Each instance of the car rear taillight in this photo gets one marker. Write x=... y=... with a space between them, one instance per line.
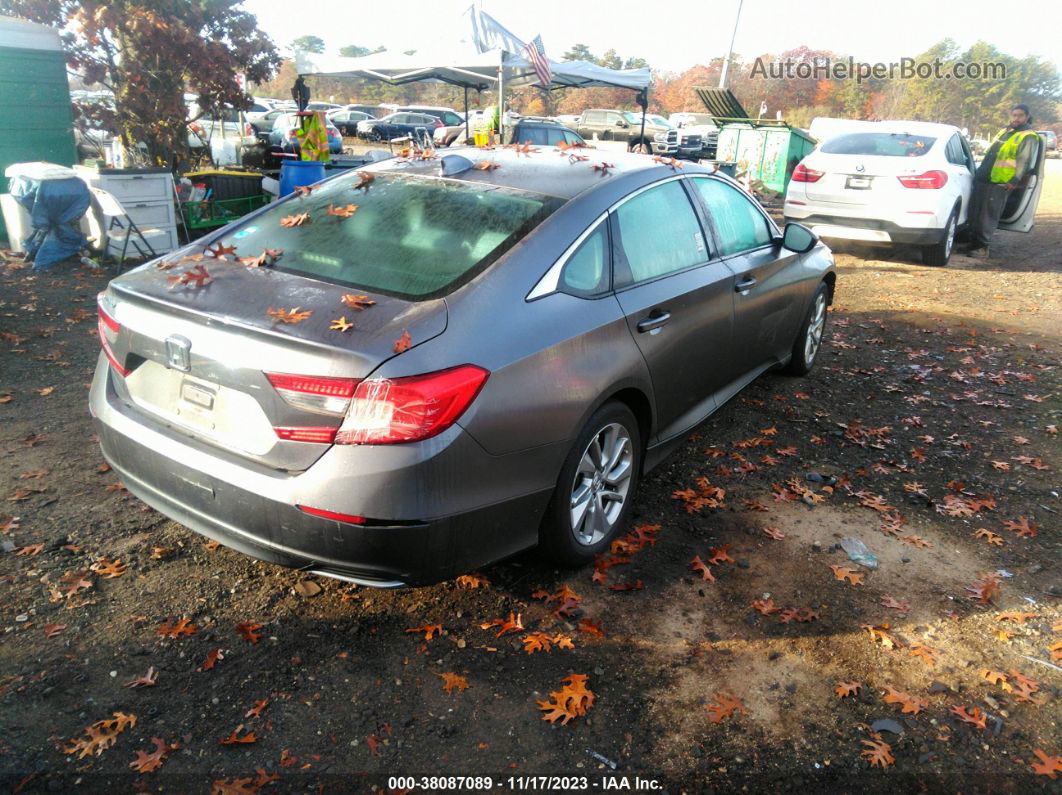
x=108 y=329
x=930 y=179
x=804 y=174
x=313 y=434
x=390 y=411
x=316 y=394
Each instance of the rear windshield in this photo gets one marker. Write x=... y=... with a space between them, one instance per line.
x=879 y=143
x=411 y=236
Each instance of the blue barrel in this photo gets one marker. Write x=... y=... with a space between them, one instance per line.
x=299 y=172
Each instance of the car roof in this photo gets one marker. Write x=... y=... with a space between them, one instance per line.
x=545 y=170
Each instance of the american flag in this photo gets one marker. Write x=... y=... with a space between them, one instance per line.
x=536 y=54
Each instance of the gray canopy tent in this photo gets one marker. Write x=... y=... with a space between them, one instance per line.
x=479 y=71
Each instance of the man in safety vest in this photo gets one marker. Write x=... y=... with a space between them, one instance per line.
x=1008 y=161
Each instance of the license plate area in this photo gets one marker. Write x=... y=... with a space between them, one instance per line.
x=196 y=402
x=858 y=183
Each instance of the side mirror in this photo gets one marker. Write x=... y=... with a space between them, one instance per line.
x=798 y=238
x=621 y=123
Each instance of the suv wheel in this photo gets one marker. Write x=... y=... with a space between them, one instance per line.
x=939 y=253
x=596 y=487
x=642 y=148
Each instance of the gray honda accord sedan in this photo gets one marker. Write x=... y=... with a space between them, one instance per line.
x=429 y=364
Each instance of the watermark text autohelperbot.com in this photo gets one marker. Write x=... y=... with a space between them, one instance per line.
x=851 y=69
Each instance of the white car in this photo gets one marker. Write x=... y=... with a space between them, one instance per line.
x=887 y=182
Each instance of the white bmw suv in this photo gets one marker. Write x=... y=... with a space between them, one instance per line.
x=887 y=182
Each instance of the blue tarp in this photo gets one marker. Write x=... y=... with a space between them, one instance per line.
x=55 y=207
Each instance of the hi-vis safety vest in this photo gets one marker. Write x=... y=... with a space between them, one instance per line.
x=1006 y=164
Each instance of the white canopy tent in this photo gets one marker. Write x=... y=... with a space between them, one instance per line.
x=480 y=71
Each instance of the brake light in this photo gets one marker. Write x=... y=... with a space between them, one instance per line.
x=930 y=179
x=317 y=394
x=390 y=411
x=108 y=329
x=804 y=174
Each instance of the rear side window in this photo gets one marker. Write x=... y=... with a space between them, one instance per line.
x=740 y=224
x=531 y=135
x=587 y=271
x=879 y=143
x=658 y=233
x=410 y=236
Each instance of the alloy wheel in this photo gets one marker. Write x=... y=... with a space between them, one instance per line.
x=816 y=326
x=601 y=484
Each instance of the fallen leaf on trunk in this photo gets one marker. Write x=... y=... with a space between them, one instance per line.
x=355 y=301
x=340 y=324
x=291 y=221
x=289 y=316
x=403 y=343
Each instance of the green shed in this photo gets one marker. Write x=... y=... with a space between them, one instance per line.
x=36 y=122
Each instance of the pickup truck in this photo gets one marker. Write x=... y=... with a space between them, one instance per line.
x=622 y=125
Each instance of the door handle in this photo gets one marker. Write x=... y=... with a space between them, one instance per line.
x=654 y=321
x=745 y=283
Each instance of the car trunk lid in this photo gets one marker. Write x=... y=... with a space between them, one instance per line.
x=198 y=357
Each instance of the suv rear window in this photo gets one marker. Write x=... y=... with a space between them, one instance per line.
x=411 y=236
x=879 y=143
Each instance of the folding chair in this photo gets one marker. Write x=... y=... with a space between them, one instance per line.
x=115 y=217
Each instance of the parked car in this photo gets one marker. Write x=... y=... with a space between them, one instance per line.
x=454 y=134
x=682 y=144
x=283 y=138
x=399 y=125
x=568 y=120
x=889 y=182
x=263 y=125
x=559 y=331
x=346 y=121
x=621 y=125
x=699 y=124
x=325 y=106
x=542 y=132
x=1050 y=140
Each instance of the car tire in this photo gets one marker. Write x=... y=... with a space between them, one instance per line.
x=571 y=538
x=938 y=254
x=808 y=341
x=641 y=148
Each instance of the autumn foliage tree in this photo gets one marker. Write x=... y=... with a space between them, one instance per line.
x=148 y=53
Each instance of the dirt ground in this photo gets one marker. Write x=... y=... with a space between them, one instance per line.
x=935 y=405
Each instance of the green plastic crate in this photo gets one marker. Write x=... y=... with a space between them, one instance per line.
x=218 y=212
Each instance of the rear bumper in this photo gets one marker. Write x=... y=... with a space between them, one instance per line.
x=252 y=509
x=870 y=230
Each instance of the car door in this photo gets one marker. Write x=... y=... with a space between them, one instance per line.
x=960 y=172
x=767 y=284
x=677 y=297
x=1020 y=210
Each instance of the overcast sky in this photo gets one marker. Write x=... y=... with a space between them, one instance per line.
x=675 y=35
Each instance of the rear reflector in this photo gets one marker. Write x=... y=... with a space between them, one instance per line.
x=930 y=179
x=317 y=394
x=108 y=329
x=804 y=174
x=313 y=434
x=410 y=409
x=339 y=517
